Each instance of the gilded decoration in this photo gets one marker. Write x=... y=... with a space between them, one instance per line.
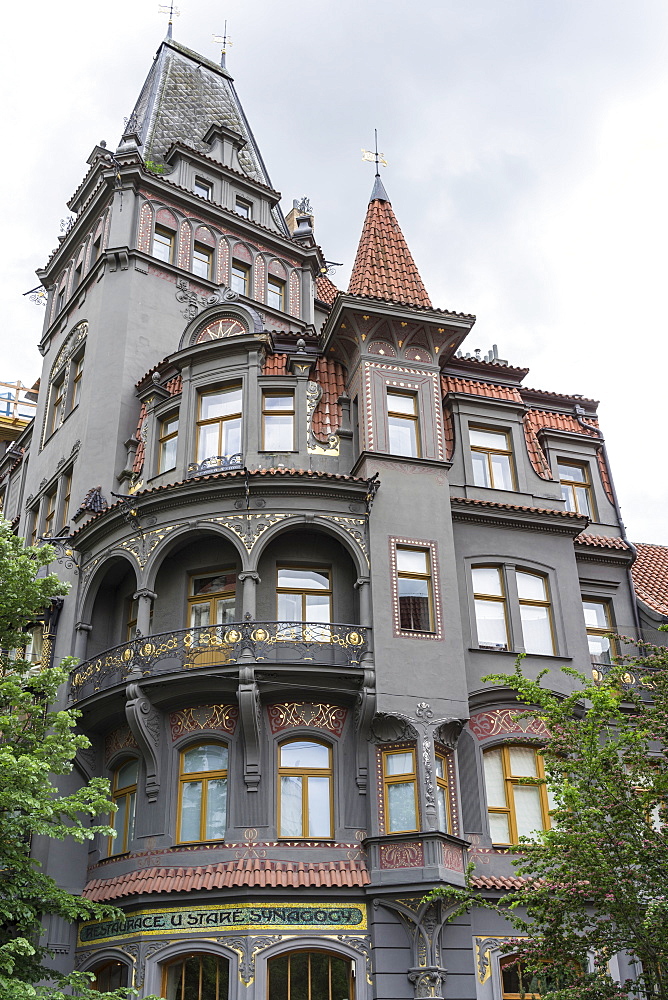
x=141 y=548
x=452 y=858
x=503 y=720
x=119 y=739
x=249 y=527
x=188 y=720
x=315 y=447
x=318 y=716
x=361 y=946
x=406 y=855
x=483 y=949
x=355 y=527
x=247 y=948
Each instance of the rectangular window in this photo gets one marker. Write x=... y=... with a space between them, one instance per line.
x=400 y=790
x=57 y=403
x=490 y=607
x=275 y=292
x=402 y=424
x=240 y=277
x=598 y=624
x=575 y=487
x=212 y=599
x=535 y=613
x=67 y=494
x=77 y=374
x=60 y=300
x=76 y=277
x=50 y=512
x=442 y=801
x=169 y=430
x=203 y=793
x=414 y=589
x=278 y=421
x=243 y=208
x=305 y=789
x=492 y=458
x=304 y=595
x=97 y=249
x=163 y=244
x=202 y=261
x=515 y=810
x=202 y=188
x=219 y=423
x=34 y=525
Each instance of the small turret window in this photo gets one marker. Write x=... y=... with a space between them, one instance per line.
x=202 y=261
x=402 y=422
x=275 y=293
x=202 y=188
x=240 y=277
x=243 y=208
x=163 y=244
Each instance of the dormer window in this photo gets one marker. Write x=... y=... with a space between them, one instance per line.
x=492 y=458
x=240 y=277
x=203 y=188
x=202 y=261
x=402 y=422
x=243 y=208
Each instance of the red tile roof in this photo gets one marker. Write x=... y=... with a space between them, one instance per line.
x=470 y=501
x=330 y=376
x=536 y=420
x=498 y=882
x=452 y=383
x=325 y=290
x=384 y=267
x=650 y=576
x=173 y=387
x=275 y=364
x=253 y=872
x=449 y=432
x=601 y=541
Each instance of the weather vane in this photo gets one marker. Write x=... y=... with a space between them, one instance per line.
x=224 y=42
x=376 y=157
x=172 y=10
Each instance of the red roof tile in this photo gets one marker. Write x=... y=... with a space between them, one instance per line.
x=275 y=364
x=601 y=541
x=330 y=376
x=251 y=872
x=384 y=267
x=449 y=431
x=498 y=882
x=470 y=501
x=452 y=383
x=325 y=290
x=650 y=576
x=536 y=420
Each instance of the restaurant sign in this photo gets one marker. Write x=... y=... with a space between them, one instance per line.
x=237 y=916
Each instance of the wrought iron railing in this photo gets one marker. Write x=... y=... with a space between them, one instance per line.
x=219 y=646
x=217 y=463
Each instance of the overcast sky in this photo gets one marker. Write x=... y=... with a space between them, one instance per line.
x=527 y=147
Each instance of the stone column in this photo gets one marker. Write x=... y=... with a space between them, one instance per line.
x=81 y=640
x=250 y=580
x=145 y=599
x=363 y=585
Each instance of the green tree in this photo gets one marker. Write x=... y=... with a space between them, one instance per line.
x=36 y=744
x=596 y=883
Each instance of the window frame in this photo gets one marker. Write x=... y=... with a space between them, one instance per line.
x=57 y=402
x=310 y=951
x=509 y=781
x=205 y=185
x=499 y=599
x=66 y=488
x=524 y=602
x=214 y=596
x=246 y=271
x=120 y=844
x=443 y=785
x=50 y=509
x=204 y=777
x=221 y=421
x=163 y=438
x=247 y=205
x=412 y=420
x=305 y=591
x=409 y=777
x=428 y=577
x=204 y=252
x=276 y=392
x=489 y=452
x=592 y=630
x=304 y=772
x=572 y=485
x=181 y=959
x=76 y=375
x=276 y=286
x=170 y=237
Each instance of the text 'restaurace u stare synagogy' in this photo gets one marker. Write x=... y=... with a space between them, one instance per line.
x=303 y=525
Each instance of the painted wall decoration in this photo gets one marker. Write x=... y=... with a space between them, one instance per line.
x=319 y=716
x=502 y=720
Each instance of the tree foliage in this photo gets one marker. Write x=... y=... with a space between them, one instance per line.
x=36 y=744
x=596 y=883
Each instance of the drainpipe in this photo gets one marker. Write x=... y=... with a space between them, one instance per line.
x=579 y=412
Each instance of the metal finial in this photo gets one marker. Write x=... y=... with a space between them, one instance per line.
x=376 y=157
x=225 y=44
x=172 y=11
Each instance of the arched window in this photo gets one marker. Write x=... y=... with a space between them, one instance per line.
x=110 y=976
x=515 y=809
x=305 y=789
x=310 y=975
x=124 y=795
x=203 y=793
x=197 y=977
x=517 y=983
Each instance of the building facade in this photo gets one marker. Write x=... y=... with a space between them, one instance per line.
x=300 y=525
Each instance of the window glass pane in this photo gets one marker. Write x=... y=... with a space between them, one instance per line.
x=278 y=977
x=168 y=455
x=531 y=587
x=302 y=753
x=488 y=439
x=118 y=823
x=127 y=775
x=220 y=404
x=536 y=629
x=214 y=584
x=278 y=432
x=200 y=615
x=317 y=608
x=225 y=610
x=442 y=810
x=209 y=757
x=403 y=436
x=487 y=580
x=303 y=579
x=132 y=801
x=440 y=766
x=174 y=981
x=414 y=605
x=401 y=403
x=207 y=442
x=412 y=561
x=202 y=189
x=398 y=763
x=239 y=280
x=202 y=263
x=232 y=436
x=480 y=469
x=501 y=473
x=290 y=607
x=582 y=495
x=575 y=473
x=279 y=402
x=599 y=648
x=291 y=805
x=162 y=246
x=319 y=978
x=494 y=783
x=595 y=614
x=319 y=823
x=498 y=828
x=340 y=978
x=216 y=808
x=401 y=806
x=528 y=814
x=567 y=495
x=191 y=810
x=523 y=762
x=491 y=623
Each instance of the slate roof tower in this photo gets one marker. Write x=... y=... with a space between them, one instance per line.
x=300 y=526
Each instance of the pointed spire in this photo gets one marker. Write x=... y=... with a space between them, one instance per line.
x=384 y=267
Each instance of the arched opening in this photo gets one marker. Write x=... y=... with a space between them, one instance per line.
x=110 y=975
x=198 y=976
x=196 y=584
x=310 y=975
x=114 y=612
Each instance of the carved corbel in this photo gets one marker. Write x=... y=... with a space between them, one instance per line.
x=145 y=724
x=423 y=924
x=248 y=696
x=365 y=709
x=448 y=733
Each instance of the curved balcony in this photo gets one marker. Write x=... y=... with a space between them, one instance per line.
x=329 y=645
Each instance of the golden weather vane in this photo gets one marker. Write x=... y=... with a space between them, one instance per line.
x=374 y=157
x=225 y=43
x=172 y=10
